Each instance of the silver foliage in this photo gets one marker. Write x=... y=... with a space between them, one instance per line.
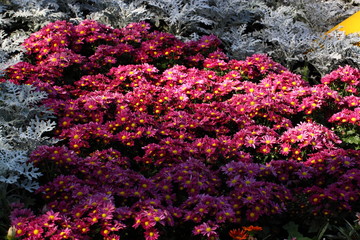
x=14 y=170
x=241 y=44
x=118 y=14
x=23 y=123
x=11 y=51
x=290 y=38
x=333 y=49
x=22 y=118
x=181 y=17
x=233 y=18
x=35 y=13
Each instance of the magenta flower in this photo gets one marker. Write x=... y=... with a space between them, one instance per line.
x=207 y=229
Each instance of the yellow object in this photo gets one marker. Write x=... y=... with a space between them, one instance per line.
x=349 y=25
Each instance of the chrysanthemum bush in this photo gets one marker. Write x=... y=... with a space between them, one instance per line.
x=164 y=139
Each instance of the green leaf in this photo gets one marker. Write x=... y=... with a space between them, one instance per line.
x=323 y=230
x=292 y=229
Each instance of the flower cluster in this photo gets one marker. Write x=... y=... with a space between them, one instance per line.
x=179 y=136
x=347 y=116
x=305 y=137
x=339 y=174
x=95 y=212
x=346 y=80
x=251 y=195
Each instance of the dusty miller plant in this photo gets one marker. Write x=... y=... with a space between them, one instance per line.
x=23 y=121
x=334 y=49
x=34 y=14
x=181 y=17
x=290 y=38
x=120 y=13
x=10 y=50
x=296 y=32
x=23 y=126
x=236 y=25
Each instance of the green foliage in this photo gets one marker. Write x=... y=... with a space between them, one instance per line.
x=349 y=134
x=324 y=229
x=292 y=229
x=349 y=232
x=344 y=230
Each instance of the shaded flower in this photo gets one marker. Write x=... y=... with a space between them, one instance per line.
x=239 y=234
